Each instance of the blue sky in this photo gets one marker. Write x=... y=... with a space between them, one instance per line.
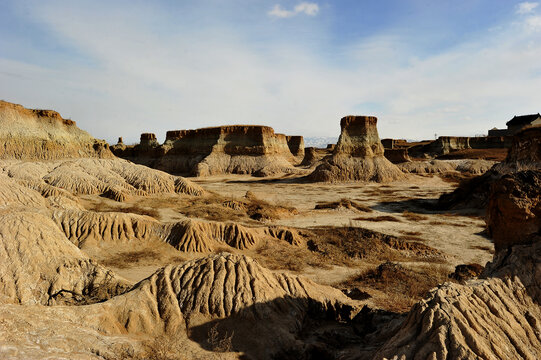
x=120 y=68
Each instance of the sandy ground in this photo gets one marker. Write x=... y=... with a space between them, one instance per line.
x=458 y=234
x=399 y=208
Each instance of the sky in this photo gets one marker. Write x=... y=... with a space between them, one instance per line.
x=423 y=67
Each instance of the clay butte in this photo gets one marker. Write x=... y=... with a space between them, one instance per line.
x=44 y=135
x=234 y=149
x=358 y=155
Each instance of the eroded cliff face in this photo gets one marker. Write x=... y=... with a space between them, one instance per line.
x=44 y=135
x=514 y=209
x=358 y=155
x=236 y=149
x=497 y=316
x=296 y=146
x=526 y=149
x=524 y=154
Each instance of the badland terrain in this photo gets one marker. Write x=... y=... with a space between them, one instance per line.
x=235 y=242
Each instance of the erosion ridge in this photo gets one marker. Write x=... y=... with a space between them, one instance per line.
x=88 y=228
x=524 y=154
x=234 y=149
x=497 y=316
x=44 y=135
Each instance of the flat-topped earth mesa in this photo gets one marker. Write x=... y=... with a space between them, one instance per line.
x=44 y=135
x=358 y=155
x=233 y=149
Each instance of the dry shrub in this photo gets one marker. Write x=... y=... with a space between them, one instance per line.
x=378 y=218
x=401 y=286
x=218 y=342
x=278 y=256
x=454 y=177
x=490 y=249
x=343 y=203
x=102 y=206
x=128 y=259
x=217 y=208
x=167 y=347
x=411 y=233
x=413 y=216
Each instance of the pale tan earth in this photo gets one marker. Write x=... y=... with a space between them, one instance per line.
x=105 y=259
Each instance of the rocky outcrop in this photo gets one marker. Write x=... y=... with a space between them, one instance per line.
x=296 y=146
x=514 y=209
x=358 y=155
x=524 y=154
x=235 y=149
x=394 y=144
x=264 y=309
x=447 y=144
x=497 y=316
x=46 y=268
x=113 y=178
x=397 y=156
x=44 y=135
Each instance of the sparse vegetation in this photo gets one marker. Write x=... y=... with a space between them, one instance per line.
x=102 y=206
x=220 y=342
x=343 y=203
x=378 y=218
x=413 y=216
x=399 y=287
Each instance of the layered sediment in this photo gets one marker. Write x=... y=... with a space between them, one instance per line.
x=44 y=135
x=358 y=155
x=235 y=149
x=497 y=316
x=524 y=154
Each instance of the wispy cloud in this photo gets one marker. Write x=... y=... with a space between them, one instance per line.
x=526 y=7
x=144 y=80
x=307 y=8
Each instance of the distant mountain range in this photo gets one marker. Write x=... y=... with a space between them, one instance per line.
x=320 y=142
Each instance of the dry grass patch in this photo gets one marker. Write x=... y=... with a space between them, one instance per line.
x=400 y=287
x=129 y=259
x=378 y=218
x=413 y=216
x=487 y=248
x=102 y=206
x=218 y=208
x=343 y=203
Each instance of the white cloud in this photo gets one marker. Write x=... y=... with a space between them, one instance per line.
x=140 y=80
x=534 y=23
x=310 y=9
x=526 y=7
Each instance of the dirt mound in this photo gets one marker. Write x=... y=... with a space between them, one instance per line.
x=469 y=166
x=358 y=155
x=397 y=156
x=296 y=146
x=45 y=268
x=526 y=148
x=114 y=178
x=230 y=293
x=235 y=149
x=524 y=154
x=514 y=209
x=223 y=284
x=14 y=194
x=497 y=316
x=494 y=318
x=44 y=135
x=88 y=228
